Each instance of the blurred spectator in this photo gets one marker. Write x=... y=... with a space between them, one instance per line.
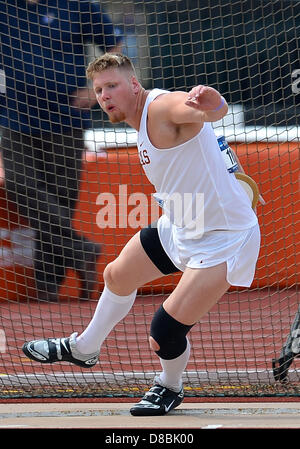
x=44 y=109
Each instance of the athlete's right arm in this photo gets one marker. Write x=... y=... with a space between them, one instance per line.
x=201 y=104
x=209 y=101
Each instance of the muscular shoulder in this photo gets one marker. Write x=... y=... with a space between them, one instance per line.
x=164 y=102
x=163 y=130
x=165 y=107
x=174 y=108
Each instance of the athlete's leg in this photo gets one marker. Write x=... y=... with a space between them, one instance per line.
x=132 y=269
x=196 y=293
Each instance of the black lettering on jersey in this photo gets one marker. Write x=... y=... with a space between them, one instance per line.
x=144 y=158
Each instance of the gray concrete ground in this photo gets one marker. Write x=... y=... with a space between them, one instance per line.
x=285 y=415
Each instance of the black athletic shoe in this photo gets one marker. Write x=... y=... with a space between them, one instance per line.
x=59 y=350
x=157 y=401
x=281 y=366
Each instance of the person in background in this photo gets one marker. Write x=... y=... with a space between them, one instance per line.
x=44 y=109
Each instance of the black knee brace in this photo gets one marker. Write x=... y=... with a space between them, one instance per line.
x=169 y=334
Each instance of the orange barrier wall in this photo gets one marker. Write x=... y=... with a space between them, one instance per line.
x=114 y=183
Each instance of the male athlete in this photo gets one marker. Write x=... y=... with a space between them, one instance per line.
x=215 y=246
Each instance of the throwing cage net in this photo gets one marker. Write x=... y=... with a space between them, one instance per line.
x=248 y=344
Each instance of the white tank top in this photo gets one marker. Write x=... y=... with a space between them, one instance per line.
x=192 y=183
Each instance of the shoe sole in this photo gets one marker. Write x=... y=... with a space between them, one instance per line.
x=145 y=411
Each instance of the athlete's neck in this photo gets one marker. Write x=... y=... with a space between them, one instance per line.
x=135 y=118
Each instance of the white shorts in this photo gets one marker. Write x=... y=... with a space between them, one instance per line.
x=239 y=249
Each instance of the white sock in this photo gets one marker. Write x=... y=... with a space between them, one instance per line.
x=111 y=309
x=171 y=376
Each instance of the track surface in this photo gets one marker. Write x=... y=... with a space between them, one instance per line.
x=243 y=332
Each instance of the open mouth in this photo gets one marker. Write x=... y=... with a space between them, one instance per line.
x=110 y=108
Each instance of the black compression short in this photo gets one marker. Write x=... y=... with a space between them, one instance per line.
x=151 y=243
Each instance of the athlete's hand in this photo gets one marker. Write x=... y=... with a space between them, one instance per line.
x=83 y=98
x=204 y=98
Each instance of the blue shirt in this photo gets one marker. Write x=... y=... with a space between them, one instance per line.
x=42 y=55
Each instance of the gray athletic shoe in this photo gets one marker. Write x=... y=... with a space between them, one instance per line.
x=54 y=350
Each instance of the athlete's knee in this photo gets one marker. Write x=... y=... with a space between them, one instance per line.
x=153 y=344
x=111 y=276
x=167 y=335
x=117 y=280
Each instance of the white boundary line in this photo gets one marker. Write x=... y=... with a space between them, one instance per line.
x=101 y=139
x=196 y=378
